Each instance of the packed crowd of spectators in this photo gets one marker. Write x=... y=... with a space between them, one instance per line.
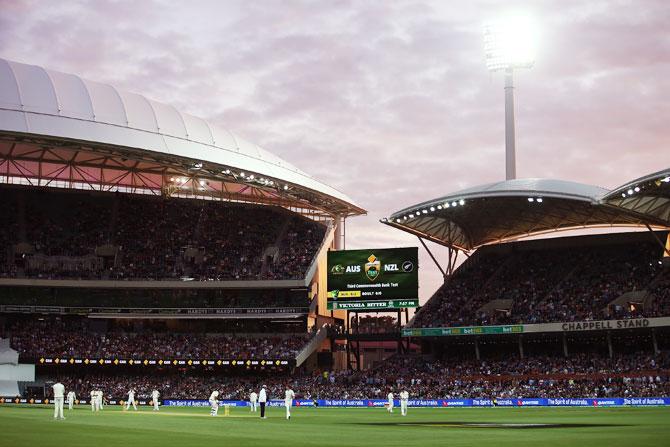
x=580 y=376
x=59 y=234
x=543 y=285
x=53 y=338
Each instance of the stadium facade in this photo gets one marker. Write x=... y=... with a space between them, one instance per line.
x=78 y=156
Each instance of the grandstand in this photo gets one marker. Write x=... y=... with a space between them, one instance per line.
x=548 y=301
x=136 y=236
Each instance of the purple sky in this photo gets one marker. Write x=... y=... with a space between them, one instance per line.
x=389 y=102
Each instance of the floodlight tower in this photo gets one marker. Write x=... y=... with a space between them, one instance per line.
x=508 y=45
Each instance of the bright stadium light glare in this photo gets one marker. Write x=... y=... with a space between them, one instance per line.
x=510 y=43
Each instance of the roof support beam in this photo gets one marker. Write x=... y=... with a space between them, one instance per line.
x=660 y=242
x=444 y=274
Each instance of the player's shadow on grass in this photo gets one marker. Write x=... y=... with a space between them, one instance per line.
x=496 y=425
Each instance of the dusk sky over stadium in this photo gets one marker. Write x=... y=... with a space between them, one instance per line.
x=389 y=102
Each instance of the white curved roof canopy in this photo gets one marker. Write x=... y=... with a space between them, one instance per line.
x=39 y=102
x=646 y=196
x=512 y=209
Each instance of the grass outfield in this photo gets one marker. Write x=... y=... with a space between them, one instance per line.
x=34 y=426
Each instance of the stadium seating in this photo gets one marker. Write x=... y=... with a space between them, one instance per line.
x=579 y=376
x=56 y=234
x=53 y=338
x=525 y=283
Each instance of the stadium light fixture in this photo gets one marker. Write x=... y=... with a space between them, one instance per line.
x=530 y=199
x=666 y=180
x=461 y=202
x=540 y=199
x=630 y=192
x=510 y=44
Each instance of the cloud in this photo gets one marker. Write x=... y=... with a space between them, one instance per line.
x=389 y=102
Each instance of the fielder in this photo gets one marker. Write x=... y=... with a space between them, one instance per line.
x=59 y=396
x=100 y=400
x=94 y=400
x=71 y=397
x=404 y=398
x=389 y=407
x=131 y=400
x=154 y=397
x=214 y=402
x=262 y=400
x=288 y=401
x=253 y=401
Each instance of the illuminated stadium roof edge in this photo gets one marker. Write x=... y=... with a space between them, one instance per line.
x=509 y=210
x=57 y=129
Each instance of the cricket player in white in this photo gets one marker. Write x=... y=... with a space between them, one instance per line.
x=390 y=405
x=131 y=400
x=253 y=401
x=100 y=400
x=262 y=400
x=214 y=402
x=154 y=397
x=404 y=398
x=94 y=400
x=288 y=401
x=59 y=397
x=70 y=400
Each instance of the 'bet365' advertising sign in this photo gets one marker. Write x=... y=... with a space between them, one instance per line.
x=373 y=279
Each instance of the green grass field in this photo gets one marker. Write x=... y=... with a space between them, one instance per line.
x=610 y=427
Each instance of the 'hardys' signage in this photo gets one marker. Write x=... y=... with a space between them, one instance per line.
x=572 y=326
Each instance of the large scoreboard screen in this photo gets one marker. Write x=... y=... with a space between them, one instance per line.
x=373 y=279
